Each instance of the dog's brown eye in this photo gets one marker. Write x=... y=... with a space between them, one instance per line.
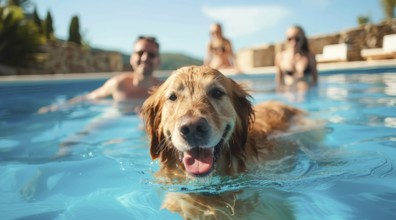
x=172 y=97
x=217 y=93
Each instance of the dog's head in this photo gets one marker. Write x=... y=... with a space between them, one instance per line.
x=195 y=116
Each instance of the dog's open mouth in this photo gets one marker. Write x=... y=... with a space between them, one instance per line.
x=200 y=161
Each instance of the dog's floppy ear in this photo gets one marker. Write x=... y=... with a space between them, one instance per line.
x=151 y=113
x=243 y=107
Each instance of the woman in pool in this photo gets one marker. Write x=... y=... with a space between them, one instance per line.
x=296 y=65
x=219 y=52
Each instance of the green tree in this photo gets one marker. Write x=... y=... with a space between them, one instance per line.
x=172 y=61
x=363 y=20
x=37 y=20
x=19 y=3
x=24 y=4
x=48 y=28
x=74 y=31
x=389 y=8
x=20 y=40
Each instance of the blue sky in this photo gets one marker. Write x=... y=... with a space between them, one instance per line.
x=183 y=26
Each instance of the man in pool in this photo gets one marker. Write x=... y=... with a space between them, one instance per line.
x=122 y=88
x=128 y=86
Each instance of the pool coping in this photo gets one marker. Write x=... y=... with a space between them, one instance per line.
x=327 y=67
x=270 y=70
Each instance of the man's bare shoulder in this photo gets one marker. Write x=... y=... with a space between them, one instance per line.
x=127 y=75
x=122 y=77
x=157 y=81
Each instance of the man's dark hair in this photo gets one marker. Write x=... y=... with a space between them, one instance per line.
x=150 y=39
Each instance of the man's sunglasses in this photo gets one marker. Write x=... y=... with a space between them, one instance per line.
x=149 y=54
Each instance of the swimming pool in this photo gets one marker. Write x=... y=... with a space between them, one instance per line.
x=109 y=174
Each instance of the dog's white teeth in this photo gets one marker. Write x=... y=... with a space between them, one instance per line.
x=180 y=156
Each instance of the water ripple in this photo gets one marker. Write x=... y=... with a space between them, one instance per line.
x=313 y=170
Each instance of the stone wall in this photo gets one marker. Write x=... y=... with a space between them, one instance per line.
x=66 y=57
x=362 y=37
x=256 y=56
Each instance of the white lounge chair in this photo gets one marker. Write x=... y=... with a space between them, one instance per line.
x=333 y=53
x=388 y=50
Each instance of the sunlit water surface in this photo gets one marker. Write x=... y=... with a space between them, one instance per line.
x=109 y=173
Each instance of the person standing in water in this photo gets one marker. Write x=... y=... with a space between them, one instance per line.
x=296 y=65
x=219 y=51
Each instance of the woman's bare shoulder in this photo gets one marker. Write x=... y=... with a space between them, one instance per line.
x=279 y=55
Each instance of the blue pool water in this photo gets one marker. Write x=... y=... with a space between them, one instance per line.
x=109 y=173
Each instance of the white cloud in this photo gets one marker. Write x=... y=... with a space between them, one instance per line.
x=246 y=20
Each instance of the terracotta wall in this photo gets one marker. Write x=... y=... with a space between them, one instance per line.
x=365 y=36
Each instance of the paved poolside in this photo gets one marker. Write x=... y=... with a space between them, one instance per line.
x=334 y=66
x=163 y=73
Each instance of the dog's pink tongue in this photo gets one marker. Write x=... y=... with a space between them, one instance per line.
x=198 y=161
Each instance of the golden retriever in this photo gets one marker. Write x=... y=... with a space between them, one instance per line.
x=201 y=122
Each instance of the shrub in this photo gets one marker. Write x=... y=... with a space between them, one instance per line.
x=20 y=39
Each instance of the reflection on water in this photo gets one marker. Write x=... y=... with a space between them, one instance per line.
x=337 y=93
x=109 y=173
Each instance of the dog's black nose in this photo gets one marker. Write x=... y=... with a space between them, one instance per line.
x=195 y=130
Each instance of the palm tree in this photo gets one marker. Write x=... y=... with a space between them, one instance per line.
x=389 y=8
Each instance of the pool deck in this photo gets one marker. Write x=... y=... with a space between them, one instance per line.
x=335 y=66
x=162 y=73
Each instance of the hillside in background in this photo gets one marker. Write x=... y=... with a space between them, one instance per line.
x=169 y=61
x=172 y=61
